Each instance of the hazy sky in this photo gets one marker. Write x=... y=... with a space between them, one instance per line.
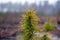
x=29 y=1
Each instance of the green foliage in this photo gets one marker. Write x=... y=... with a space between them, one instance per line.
x=48 y=26
x=45 y=37
x=29 y=29
x=1 y=14
x=29 y=24
x=2 y=17
x=58 y=12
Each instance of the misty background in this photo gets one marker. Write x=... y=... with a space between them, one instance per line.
x=44 y=7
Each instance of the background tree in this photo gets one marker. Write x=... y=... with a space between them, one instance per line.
x=58 y=13
x=48 y=26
